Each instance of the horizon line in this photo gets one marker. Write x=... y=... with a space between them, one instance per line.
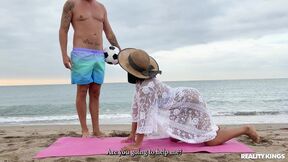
x=122 y=82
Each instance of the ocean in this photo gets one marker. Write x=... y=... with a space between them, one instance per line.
x=230 y=102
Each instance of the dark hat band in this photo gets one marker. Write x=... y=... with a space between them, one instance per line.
x=146 y=72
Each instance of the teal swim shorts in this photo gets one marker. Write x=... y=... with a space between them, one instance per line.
x=88 y=66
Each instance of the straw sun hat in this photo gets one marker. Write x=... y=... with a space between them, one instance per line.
x=138 y=63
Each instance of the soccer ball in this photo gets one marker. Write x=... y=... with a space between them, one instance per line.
x=111 y=55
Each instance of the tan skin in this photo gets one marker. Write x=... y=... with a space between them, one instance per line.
x=223 y=135
x=89 y=20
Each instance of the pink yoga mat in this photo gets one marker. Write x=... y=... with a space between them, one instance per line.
x=71 y=146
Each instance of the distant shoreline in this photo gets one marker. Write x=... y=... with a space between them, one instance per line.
x=123 y=82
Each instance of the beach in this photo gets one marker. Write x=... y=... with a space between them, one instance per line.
x=34 y=117
x=21 y=143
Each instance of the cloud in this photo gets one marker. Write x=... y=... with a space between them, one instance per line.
x=265 y=57
x=157 y=25
x=251 y=19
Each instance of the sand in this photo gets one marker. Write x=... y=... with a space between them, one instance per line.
x=21 y=143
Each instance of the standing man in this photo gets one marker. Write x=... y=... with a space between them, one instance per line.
x=87 y=65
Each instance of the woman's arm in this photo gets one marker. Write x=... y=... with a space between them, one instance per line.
x=146 y=99
x=133 y=128
x=139 y=140
x=134 y=107
x=131 y=137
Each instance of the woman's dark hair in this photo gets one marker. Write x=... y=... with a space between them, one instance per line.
x=133 y=79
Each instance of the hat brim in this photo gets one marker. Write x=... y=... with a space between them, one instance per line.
x=124 y=63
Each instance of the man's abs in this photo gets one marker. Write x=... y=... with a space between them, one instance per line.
x=87 y=41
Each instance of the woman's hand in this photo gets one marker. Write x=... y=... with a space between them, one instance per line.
x=131 y=147
x=135 y=146
x=129 y=139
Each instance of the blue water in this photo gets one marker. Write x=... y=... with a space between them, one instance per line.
x=230 y=102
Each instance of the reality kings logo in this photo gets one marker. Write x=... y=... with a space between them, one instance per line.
x=263 y=156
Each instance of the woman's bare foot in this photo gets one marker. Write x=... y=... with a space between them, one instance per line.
x=85 y=133
x=252 y=133
x=99 y=134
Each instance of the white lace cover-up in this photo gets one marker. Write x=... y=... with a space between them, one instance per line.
x=180 y=113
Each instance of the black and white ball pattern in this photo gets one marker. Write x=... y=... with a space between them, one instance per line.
x=111 y=55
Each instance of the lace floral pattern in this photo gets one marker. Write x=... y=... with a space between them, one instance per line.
x=181 y=112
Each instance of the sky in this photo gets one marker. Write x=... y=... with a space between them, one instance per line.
x=190 y=39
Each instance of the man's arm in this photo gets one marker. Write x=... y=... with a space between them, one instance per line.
x=63 y=31
x=109 y=32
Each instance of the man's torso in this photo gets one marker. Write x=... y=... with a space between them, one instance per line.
x=87 y=20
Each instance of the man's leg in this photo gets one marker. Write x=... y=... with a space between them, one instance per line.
x=94 y=93
x=81 y=108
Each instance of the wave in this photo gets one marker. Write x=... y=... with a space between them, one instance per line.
x=115 y=117
x=60 y=118
x=250 y=113
x=246 y=101
x=126 y=118
x=276 y=100
x=57 y=109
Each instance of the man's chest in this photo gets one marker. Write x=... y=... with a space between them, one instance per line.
x=84 y=13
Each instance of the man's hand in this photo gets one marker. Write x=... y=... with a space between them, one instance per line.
x=131 y=147
x=129 y=139
x=67 y=62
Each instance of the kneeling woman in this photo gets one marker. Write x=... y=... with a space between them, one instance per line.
x=179 y=113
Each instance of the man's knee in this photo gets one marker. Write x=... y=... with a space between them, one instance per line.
x=94 y=90
x=82 y=90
